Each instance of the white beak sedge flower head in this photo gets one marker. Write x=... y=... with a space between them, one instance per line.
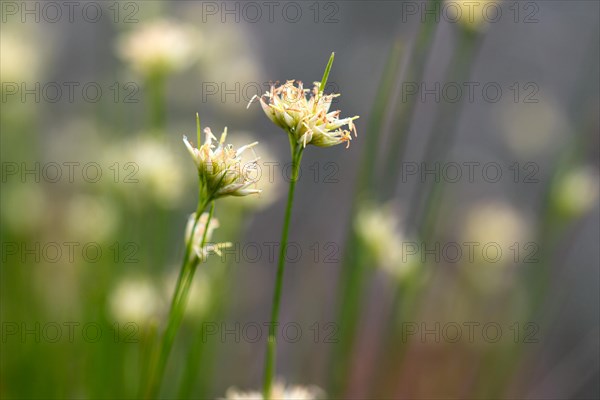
x=200 y=251
x=220 y=167
x=306 y=117
x=280 y=392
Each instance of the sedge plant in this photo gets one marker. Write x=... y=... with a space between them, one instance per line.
x=219 y=175
x=304 y=115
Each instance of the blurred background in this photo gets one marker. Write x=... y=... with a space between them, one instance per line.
x=451 y=251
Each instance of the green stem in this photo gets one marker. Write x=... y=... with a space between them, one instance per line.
x=378 y=115
x=371 y=186
x=426 y=198
x=271 y=342
x=405 y=110
x=536 y=277
x=184 y=281
x=200 y=364
x=408 y=298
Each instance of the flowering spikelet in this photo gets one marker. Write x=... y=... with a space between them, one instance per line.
x=306 y=116
x=200 y=251
x=280 y=392
x=220 y=167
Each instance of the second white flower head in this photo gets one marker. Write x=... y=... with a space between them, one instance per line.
x=220 y=167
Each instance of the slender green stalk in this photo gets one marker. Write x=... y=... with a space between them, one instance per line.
x=370 y=185
x=353 y=272
x=381 y=106
x=443 y=133
x=272 y=340
x=188 y=267
x=199 y=369
x=407 y=298
x=296 y=150
x=148 y=340
x=404 y=113
x=537 y=277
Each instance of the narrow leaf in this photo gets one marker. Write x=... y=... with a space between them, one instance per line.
x=198 y=131
x=326 y=74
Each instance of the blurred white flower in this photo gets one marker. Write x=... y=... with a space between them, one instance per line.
x=224 y=43
x=279 y=392
x=137 y=300
x=150 y=169
x=576 y=191
x=19 y=59
x=229 y=60
x=159 y=47
x=227 y=54
x=499 y=234
x=495 y=222
x=378 y=227
x=159 y=170
x=91 y=218
x=472 y=15
x=532 y=129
